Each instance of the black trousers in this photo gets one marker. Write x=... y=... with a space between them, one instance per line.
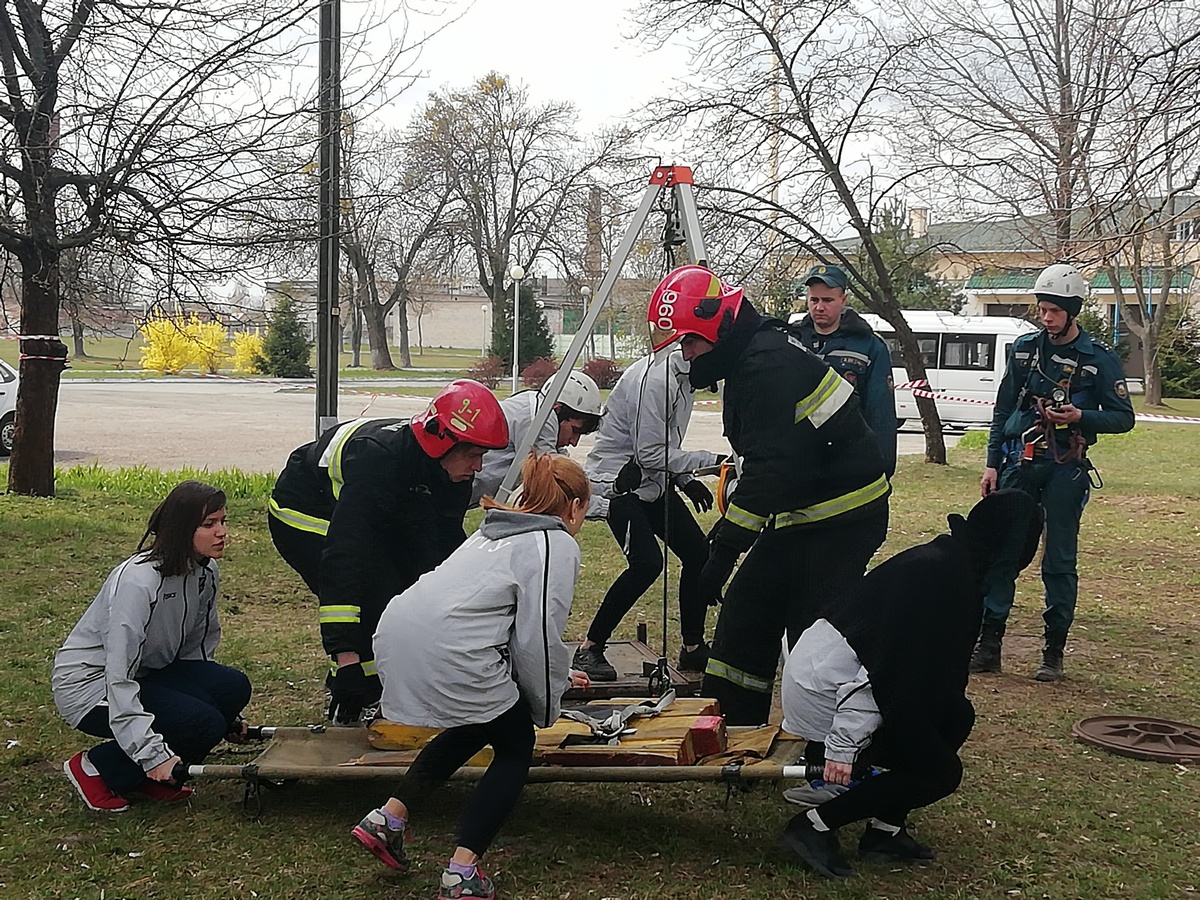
x=919 y=771
x=510 y=735
x=782 y=585
x=300 y=549
x=637 y=525
x=194 y=703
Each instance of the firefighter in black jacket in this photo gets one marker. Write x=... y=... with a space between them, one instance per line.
x=811 y=497
x=371 y=506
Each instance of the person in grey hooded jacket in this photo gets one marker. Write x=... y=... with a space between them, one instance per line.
x=638 y=467
x=475 y=647
x=138 y=667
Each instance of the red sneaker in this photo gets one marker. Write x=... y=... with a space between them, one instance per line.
x=166 y=793
x=92 y=789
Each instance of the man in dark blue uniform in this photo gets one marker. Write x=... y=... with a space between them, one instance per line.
x=1060 y=390
x=842 y=338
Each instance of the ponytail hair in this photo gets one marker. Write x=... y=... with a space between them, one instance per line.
x=550 y=484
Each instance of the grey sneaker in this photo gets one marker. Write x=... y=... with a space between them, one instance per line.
x=385 y=843
x=593 y=662
x=811 y=795
x=455 y=887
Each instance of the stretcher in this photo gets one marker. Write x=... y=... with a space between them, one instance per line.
x=639 y=753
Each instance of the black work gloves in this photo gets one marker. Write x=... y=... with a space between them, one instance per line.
x=629 y=479
x=701 y=497
x=350 y=690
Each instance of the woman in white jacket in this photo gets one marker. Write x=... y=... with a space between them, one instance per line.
x=475 y=647
x=138 y=666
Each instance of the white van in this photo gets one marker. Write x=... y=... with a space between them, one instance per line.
x=8 y=407
x=964 y=359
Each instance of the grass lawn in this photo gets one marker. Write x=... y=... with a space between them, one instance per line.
x=121 y=357
x=1038 y=815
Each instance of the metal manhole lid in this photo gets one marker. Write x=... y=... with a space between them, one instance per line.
x=1142 y=737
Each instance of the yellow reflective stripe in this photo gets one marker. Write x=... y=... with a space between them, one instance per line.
x=340 y=614
x=298 y=520
x=737 y=676
x=830 y=396
x=331 y=459
x=745 y=518
x=835 y=507
x=368 y=666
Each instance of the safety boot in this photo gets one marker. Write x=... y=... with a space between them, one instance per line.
x=986 y=657
x=1051 y=668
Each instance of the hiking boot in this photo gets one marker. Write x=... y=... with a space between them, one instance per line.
x=593 y=662
x=986 y=657
x=694 y=660
x=809 y=795
x=1051 y=668
x=455 y=887
x=387 y=844
x=163 y=792
x=817 y=849
x=878 y=844
x=95 y=793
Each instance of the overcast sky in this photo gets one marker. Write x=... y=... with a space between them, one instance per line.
x=584 y=51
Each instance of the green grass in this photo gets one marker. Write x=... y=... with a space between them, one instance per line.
x=1038 y=815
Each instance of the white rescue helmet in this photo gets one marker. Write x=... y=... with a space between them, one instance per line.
x=1061 y=280
x=580 y=394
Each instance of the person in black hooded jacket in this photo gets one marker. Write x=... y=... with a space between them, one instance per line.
x=881 y=681
x=810 y=503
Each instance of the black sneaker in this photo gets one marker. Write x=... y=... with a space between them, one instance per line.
x=817 y=849
x=878 y=844
x=593 y=662
x=694 y=660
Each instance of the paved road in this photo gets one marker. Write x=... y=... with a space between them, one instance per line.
x=249 y=426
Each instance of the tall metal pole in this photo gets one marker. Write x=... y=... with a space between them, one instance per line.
x=517 y=272
x=328 y=209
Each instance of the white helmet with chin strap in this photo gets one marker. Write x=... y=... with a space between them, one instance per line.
x=581 y=395
x=1063 y=285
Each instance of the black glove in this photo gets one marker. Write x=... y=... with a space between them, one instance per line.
x=723 y=458
x=350 y=690
x=721 y=560
x=629 y=479
x=699 y=494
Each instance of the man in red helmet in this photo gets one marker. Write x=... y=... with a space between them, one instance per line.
x=810 y=503
x=370 y=507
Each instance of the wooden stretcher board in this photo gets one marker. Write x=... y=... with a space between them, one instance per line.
x=342 y=753
x=627 y=657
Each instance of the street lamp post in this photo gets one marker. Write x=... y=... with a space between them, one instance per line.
x=517 y=273
x=483 y=347
x=586 y=293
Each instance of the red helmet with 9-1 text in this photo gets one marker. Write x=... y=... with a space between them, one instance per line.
x=464 y=411
x=690 y=300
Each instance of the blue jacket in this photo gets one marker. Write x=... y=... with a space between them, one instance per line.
x=860 y=356
x=1086 y=369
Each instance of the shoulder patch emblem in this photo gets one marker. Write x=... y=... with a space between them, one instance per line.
x=1120 y=388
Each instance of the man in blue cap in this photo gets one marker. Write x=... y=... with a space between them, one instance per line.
x=841 y=337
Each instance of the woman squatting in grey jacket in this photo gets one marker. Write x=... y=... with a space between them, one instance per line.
x=475 y=647
x=138 y=667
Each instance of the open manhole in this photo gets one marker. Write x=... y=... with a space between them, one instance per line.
x=1142 y=737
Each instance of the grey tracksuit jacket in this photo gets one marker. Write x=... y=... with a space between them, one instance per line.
x=484 y=628
x=139 y=622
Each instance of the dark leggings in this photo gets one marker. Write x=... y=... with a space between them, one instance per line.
x=637 y=524
x=511 y=738
x=194 y=703
x=918 y=773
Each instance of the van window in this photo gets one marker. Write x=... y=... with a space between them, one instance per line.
x=968 y=351
x=927 y=342
x=7 y=374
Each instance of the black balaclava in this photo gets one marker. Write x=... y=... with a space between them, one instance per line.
x=732 y=337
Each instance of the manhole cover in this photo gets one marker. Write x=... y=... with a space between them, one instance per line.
x=1141 y=737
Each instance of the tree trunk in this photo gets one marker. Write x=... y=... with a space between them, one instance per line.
x=402 y=337
x=1151 y=378
x=931 y=422
x=31 y=470
x=77 y=335
x=356 y=330
x=381 y=355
